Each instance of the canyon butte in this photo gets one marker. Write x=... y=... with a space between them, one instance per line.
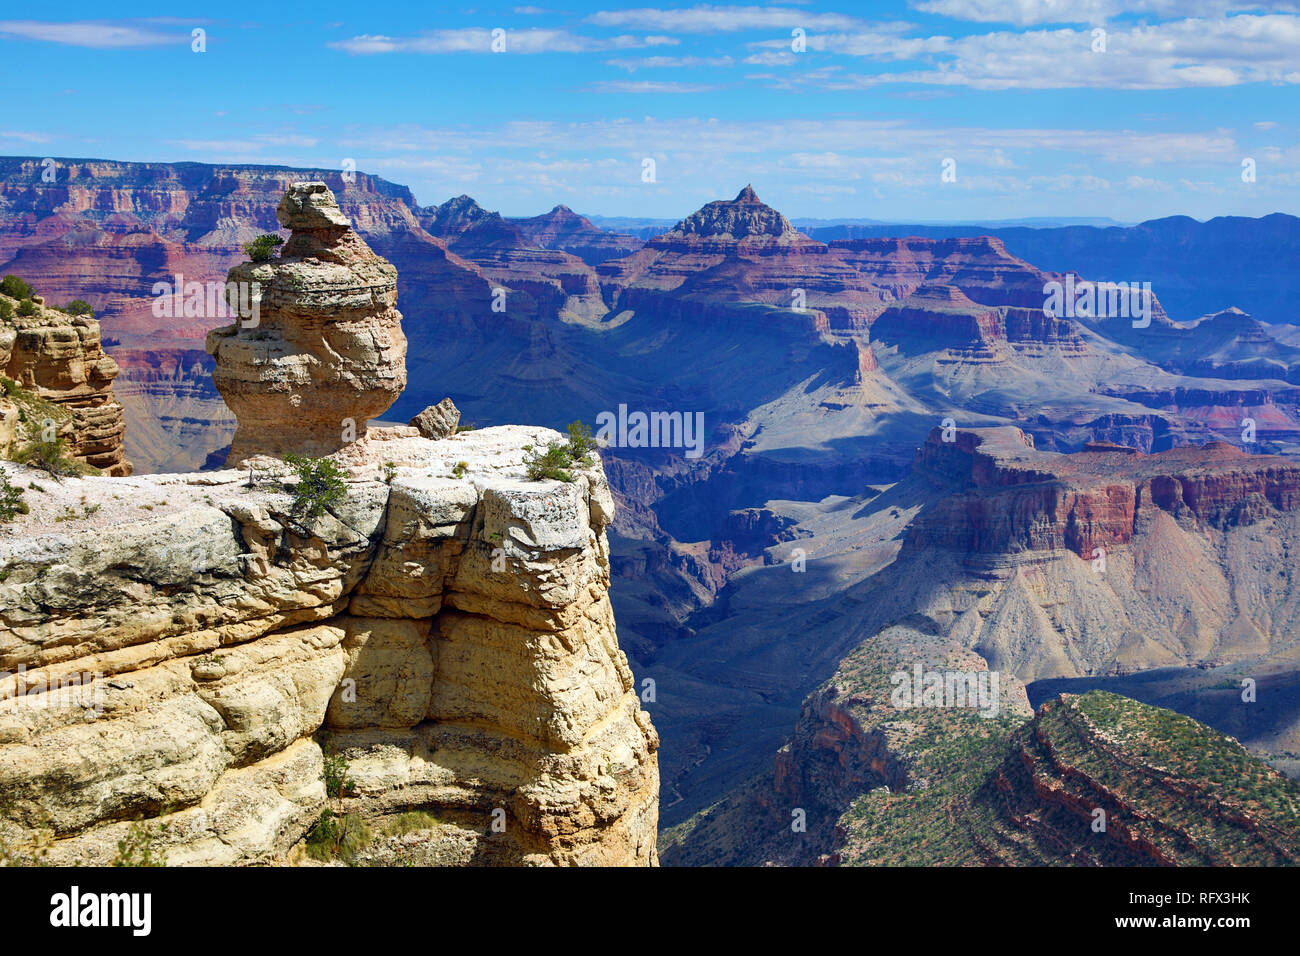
x=435 y=640
x=908 y=462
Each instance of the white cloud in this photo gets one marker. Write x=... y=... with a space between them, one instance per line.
x=1185 y=53
x=707 y=18
x=25 y=137
x=479 y=40
x=646 y=86
x=89 y=33
x=1033 y=12
x=669 y=62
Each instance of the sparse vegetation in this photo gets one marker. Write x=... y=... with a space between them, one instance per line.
x=460 y=469
x=338 y=838
x=79 y=307
x=390 y=472
x=553 y=463
x=27 y=308
x=16 y=288
x=320 y=485
x=410 y=822
x=140 y=846
x=11 y=500
x=559 y=457
x=334 y=774
x=53 y=457
x=6 y=309
x=581 y=442
x=262 y=249
x=337 y=835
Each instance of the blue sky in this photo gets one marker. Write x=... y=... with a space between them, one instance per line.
x=1041 y=114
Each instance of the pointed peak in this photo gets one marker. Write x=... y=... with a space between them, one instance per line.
x=740 y=218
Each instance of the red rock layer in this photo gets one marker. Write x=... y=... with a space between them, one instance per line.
x=1002 y=496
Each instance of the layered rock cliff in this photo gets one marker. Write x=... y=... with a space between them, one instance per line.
x=417 y=620
x=448 y=633
x=52 y=357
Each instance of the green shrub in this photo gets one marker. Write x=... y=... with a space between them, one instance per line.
x=338 y=838
x=320 y=484
x=460 y=469
x=52 y=457
x=334 y=774
x=79 y=307
x=16 y=288
x=11 y=500
x=263 y=247
x=557 y=459
x=27 y=307
x=139 y=846
x=6 y=309
x=581 y=444
x=554 y=463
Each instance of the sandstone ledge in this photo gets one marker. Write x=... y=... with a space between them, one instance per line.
x=450 y=636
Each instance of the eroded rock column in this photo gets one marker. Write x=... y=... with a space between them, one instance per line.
x=322 y=351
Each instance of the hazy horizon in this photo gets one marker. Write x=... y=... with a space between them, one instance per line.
x=921 y=111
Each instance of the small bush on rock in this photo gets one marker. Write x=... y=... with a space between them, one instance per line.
x=11 y=500
x=16 y=288
x=263 y=247
x=554 y=463
x=140 y=846
x=320 y=484
x=52 y=457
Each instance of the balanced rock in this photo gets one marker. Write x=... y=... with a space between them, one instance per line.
x=438 y=421
x=322 y=352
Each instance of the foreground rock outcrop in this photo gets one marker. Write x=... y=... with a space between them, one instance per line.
x=61 y=383
x=448 y=633
x=324 y=352
x=413 y=623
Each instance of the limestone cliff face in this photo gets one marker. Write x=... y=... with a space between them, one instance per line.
x=58 y=358
x=325 y=351
x=447 y=632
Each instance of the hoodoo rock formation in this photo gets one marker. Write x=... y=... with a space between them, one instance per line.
x=324 y=351
x=55 y=360
x=192 y=656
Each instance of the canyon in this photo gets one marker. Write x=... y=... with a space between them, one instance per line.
x=820 y=364
x=1043 y=568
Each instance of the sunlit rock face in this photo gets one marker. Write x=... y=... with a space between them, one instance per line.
x=322 y=352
